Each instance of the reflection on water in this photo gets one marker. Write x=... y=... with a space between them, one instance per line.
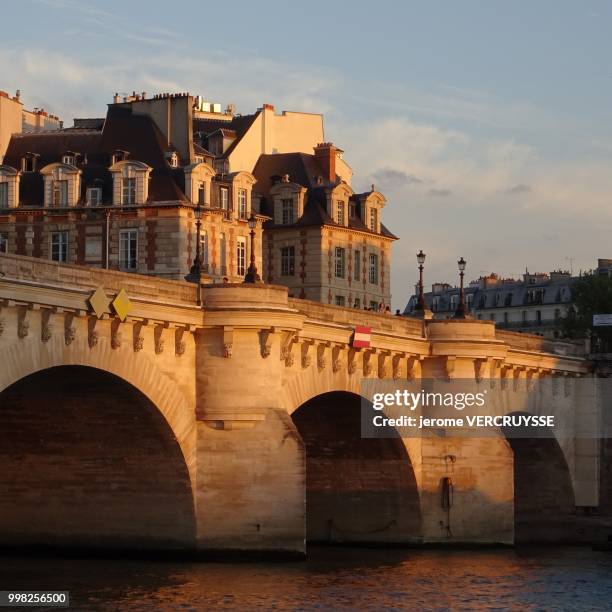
x=345 y=579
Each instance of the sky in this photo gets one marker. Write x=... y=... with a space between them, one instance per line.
x=486 y=124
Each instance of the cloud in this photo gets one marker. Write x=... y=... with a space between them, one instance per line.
x=440 y=193
x=391 y=178
x=517 y=189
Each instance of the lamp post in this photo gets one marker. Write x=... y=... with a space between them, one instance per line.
x=195 y=273
x=461 y=312
x=252 y=275
x=420 y=305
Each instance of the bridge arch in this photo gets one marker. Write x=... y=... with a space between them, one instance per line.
x=91 y=462
x=357 y=489
x=28 y=356
x=543 y=487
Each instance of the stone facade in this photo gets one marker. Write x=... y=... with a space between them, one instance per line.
x=235 y=383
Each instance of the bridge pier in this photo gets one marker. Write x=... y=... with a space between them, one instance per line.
x=251 y=479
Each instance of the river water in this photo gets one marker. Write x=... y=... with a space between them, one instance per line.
x=333 y=578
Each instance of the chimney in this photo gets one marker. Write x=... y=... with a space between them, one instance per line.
x=325 y=154
x=116 y=98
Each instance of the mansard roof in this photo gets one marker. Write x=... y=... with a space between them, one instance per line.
x=136 y=134
x=305 y=170
x=239 y=124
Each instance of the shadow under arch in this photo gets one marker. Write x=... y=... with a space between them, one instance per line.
x=90 y=462
x=543 y=490
x=357 y=489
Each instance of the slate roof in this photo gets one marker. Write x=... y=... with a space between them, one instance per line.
x=305 y=170
x=136 y=134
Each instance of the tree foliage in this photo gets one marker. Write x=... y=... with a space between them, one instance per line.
x=591 y=295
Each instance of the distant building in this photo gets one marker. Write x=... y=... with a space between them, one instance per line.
x=15 y=119
x=535 y=304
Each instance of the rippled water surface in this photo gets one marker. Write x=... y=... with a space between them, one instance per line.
x=340 y=579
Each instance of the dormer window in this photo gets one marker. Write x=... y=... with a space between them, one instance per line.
x=242 y=203
x=69 y=158
x=119 y=155
x=128 y=190
x=202 y=193
x=352 y=210
x=374 y=219
x=173 y=160
x=130 y=182
x=94 y=196
x=340 y=212
x=288 y=212
x=28 y=162
x=60 y=193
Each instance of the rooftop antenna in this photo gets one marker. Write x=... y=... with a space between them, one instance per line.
x=571 y=262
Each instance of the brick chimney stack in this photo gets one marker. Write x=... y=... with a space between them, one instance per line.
x=325 y=154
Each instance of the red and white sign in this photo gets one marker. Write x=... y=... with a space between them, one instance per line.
x=362 y=337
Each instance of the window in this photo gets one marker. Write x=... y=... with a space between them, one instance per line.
x=524 y=316
x=373 y=305
x=60 y=193
x=241 y=256
x=288 y=217
x=340 y=212
x=201 y=193
x=352 y=210
x=242 y=203
x=538 y=317
x=340 y=262
x=373 y=269
x=340 y=301
x=288 y=261
x=3 y=195
x=223 y=253
x=224 y=198
x=204 y=251
x=128 y=249
x=59 y=246
x=505 y=318
x=128 y=190
x=357 y=303
x=557 y=314
x=3 y=242
x=173 y=160
x=356 y=265
x=28 y=163
x=94 y=196
x=69 y=159
x=374 y=219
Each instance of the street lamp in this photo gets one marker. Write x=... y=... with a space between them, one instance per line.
x=252 y=276
x=461 y=312
x=421 y=305
x=195 y=273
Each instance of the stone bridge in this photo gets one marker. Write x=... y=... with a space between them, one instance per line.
x=132 y=418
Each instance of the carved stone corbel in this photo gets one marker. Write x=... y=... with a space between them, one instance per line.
x=336 y=362
x=367 y=363
x=517 y=371
x=45 y=325
x=23 y=325
x=482 y=369
x=116 y=337
x=69 y=329
x=413 y=367
x=228 y=341
x=505 y=373
x=321 y=359
x=2 y=325
x=383 y=367
x=286 y=353
x=158 y=339
x=306 y=356
x=92 y=333
x=396 y=365
x=449 y=367
x=352 y=361
x=264 y=343
x=137 y=337
x=179 y=343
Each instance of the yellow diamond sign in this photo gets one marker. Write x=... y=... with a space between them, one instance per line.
x=122 y=305
x=99 y=302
